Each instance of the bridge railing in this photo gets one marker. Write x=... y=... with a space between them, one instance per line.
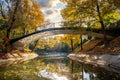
x=50 y=25
x=64 y=24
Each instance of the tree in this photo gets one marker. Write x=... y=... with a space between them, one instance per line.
x=98 y=13
x=27 y=18
x=71 y=40
x=32 y=16
x=58 y=42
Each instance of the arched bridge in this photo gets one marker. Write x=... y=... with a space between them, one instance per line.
x=19 y=42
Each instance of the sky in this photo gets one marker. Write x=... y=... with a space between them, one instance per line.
x=51 y=9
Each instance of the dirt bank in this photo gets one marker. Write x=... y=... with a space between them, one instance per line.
x=109 y=62
x=96 y=46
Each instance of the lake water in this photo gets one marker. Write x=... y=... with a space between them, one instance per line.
x=55 y=68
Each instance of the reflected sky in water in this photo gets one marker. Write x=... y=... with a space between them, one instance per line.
x=55 y=68
x=50 y=75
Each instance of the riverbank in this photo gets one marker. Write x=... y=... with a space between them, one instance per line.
x=109 y=62
x=16 y=60
x=96 y=46
x=94 y=53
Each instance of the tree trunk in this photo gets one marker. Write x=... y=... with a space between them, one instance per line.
x=102 y=26
x=81 y=42
x=25 y=31
x=35 y=45
x=72 y=48
x=13 y=19
x=7 y=38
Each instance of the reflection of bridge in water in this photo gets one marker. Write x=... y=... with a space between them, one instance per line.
x=58 y=28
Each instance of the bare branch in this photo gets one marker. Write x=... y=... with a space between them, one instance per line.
x=8 y=5
x=1 y=11
x=13 y=18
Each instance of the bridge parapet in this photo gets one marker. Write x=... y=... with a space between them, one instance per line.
x=63 y=24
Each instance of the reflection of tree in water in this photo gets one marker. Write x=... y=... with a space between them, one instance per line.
x=23 y=71
x=30 y=70
x=97 y=73
x=80 y=71
x=48 y=60
x=76 y=70
x=63 y=66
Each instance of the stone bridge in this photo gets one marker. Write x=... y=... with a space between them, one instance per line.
x=67 y=27
x=19 y=42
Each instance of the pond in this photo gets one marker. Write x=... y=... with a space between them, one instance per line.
x=55 y=68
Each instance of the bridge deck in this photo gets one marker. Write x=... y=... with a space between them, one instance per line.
x=56 y=31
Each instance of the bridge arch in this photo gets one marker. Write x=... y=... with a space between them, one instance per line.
x=19 y=42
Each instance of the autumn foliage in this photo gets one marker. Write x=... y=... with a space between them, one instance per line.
x=18 y=18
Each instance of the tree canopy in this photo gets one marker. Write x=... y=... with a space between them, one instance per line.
x=93 y=13
x=19 y=16
x=86 y=10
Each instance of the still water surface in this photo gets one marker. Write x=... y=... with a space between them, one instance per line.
x=55 y=68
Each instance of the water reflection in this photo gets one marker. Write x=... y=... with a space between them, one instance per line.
x=50 y=75
x=55 y=68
